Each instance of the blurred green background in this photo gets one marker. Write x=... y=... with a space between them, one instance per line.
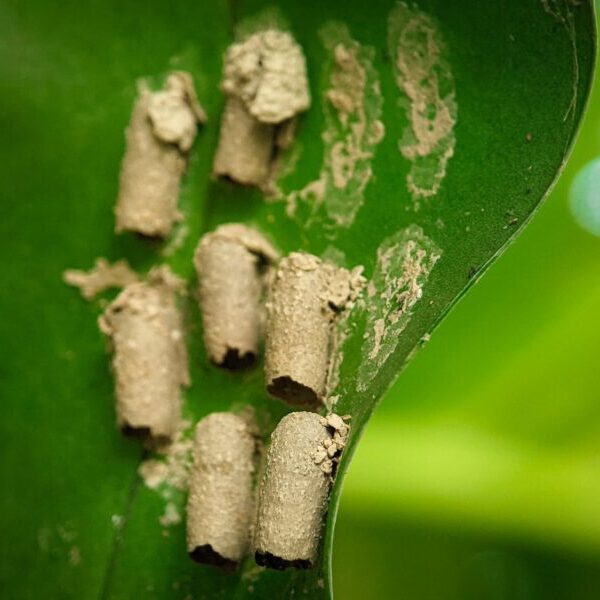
x=479 y=475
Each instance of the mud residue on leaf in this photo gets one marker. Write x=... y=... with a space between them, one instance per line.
x=60 y=541
x=177 y=240
x=424 y=77
x=341 y=330
x=333 y=255
x=342 y=327
x=167 y=472
x=352 y=105
x=101 y=277
x=171 y=516
x=404 y=262
x=338 y=337
x=172 y=463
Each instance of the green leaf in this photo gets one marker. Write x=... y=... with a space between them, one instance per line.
x=513 y=75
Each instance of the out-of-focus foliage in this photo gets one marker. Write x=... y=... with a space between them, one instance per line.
x=479 y=476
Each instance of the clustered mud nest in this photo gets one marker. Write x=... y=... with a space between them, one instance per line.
x=241 y=500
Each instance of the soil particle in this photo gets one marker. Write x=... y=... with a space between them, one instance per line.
x=305 y=300
x=221 y=503
x=232 y=265
x=328 y=454
x=294 y=491
x=161 y=132
x=117 y=521
x=171 y=515
x=154 y=473
x=144 y=326
x=101 y=277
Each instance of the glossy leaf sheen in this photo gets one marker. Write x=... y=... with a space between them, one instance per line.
x=77 y=519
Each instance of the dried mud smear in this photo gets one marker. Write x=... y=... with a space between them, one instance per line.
x=295 y=489
x=160 y=134
x=404 y=262
x=352 y=107
x=61 y=542
x=265 y=80
x=342 y=327
x=221 y=503
x=232 y=265
x=167 y=472
x=145 y=328
x=423 y=75
x=172 y=468
x=101 y=277
x=305 y=300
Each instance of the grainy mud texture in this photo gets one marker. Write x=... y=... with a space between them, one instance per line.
x=267 y=71
x=404 y=262
x=144 y=326
x=102 y=277
x=161 y=131
x=352 y=107
x=424 y=76
x=166 y=472
x=245 y=146
x=232 y=265
x=295 y=488
x=342 y=328
x=266 y=85
x=305 y=298
x=221 y=504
